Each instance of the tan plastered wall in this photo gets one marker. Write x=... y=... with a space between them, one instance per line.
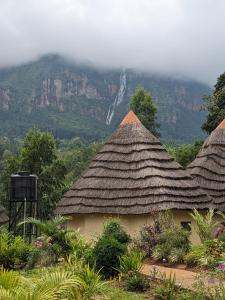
x=91 y=225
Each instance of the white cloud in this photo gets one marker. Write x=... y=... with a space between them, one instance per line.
x=179 y=37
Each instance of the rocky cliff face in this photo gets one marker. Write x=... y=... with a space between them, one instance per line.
x=74 y=100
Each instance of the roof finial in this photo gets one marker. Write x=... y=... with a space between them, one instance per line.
x=130 y=118
x=222 y=124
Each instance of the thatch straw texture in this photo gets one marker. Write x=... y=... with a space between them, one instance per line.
x=3 y=216
x=208 y=168
x=133 y=174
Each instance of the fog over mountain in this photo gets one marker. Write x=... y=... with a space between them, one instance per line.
x=178 y=37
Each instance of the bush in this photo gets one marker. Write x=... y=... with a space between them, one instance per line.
x=130 y=262
x=113 y=229
x=210 y=254
x=14 y=251
x=168 y=288
x=107 y=252
x=136 y=283
x=195 y=255
x=204 y=225
x=109 y=247
x=147 y=240
x=172 y=245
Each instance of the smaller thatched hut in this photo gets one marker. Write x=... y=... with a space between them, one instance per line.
x=3 y=216
x=130 y=177
x=208 y=168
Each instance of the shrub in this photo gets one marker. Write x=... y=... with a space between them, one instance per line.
x=113 y=229
x=172 y=244
x=106 y=253
x=130 y=262
x=168 y=288
x=136 y=283
x=148 y=234
x=210 y=254
x=204 y=225
x=195 y=255
x=109 y=247
x=14 y=251
x=91 y=283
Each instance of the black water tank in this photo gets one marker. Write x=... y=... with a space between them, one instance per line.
x=23 y=185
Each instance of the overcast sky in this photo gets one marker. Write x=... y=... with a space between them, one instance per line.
x=179 y=37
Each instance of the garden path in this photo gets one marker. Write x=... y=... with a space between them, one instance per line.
x=183 y=277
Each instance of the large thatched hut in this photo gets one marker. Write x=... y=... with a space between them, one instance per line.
x=132 y=175
x=208 y=168
x=3 y=216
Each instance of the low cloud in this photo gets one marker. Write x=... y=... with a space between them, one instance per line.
x=178 y=37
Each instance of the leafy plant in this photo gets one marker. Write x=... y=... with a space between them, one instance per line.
x=51 y=285
x=196 y=254
x=109 y=247
x=136 y=283
x=113 y=228
x=172 y=244
x=130 y=262
x=167 y=290
x=177 y=255
x=106 y=252
x=56 y=240
x=14 y=251
x=204 y=225
x=91 y=283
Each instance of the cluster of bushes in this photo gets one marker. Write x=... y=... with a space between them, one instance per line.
x=75 y=266
x=164 y=240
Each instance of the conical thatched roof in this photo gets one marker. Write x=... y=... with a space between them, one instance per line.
x=132 y=174
x=3 y=216
x=208 y=168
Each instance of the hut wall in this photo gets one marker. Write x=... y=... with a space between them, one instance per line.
x=91 y=225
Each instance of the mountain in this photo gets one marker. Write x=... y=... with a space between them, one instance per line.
x=78 y=100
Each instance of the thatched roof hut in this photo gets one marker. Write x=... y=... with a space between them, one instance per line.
x=3 y=216
x=208 y=168
x=132 y=174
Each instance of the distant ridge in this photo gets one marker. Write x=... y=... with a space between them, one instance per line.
x=77 y=100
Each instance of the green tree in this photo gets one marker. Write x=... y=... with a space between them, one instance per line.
x=184 y=154
x=38 y=155
x=143 y=106
x=215 y=104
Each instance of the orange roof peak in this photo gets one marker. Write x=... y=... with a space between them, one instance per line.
x=222 y=124
x=130 y=118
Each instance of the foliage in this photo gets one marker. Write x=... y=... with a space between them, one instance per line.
x=49 y=285
x=56 y=240
x=106 y=252
x=172 y=245
x=204 y=224
x=136 y=283
x=146 y=240
x=215 y=105
x=109 y=247
x=184 y=154
x=91 y=283
x=38 y=155
x=113 y=228
x=211 y=254
x=14 y=251
x=167 y=290
x=143 y=106
x=195 y=255
x=130 y=262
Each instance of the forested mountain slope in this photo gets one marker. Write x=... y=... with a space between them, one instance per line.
x=74 y=100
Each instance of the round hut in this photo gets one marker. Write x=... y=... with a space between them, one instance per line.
x=208 y=168
x=131 y=176
x=3 y=216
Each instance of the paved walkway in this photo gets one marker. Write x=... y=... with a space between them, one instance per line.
x=186 y=278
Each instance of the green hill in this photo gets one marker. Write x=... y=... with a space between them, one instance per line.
x=74 y=100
